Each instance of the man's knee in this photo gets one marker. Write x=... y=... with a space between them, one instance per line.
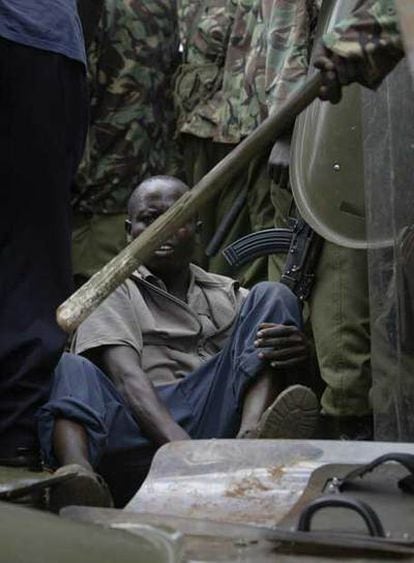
x=73 y=369
x=275 y=301
x=275 y=291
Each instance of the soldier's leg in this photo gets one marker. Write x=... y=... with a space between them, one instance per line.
x=256 y=215
x=339 y=310
x=198 y=160
x=200 y=156
x=42 y=131
x=261 y=216
x=96 y=239
x=281 y=201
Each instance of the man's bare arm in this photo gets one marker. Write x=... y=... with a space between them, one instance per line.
x=122 y=365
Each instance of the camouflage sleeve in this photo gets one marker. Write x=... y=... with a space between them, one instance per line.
x=371 y=34
x=290 y=27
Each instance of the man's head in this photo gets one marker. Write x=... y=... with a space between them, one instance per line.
x=148 y=201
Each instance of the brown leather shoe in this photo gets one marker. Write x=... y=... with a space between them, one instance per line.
x=85 y=488
x=293 y=414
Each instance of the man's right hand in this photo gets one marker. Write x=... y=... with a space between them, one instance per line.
x=336 y=72
x=282 y=346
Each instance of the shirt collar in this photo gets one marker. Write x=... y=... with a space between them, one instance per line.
x=144 y=274
x=197 y=276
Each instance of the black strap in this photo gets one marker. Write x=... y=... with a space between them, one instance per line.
x=406 y=460
x=366 y=512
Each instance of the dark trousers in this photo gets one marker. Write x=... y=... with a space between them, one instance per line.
x=43 y=121
x=207 y=403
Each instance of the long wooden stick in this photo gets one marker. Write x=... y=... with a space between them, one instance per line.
x=73 y=311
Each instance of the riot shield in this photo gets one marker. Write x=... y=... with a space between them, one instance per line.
x=388 y=142
x=327 y=173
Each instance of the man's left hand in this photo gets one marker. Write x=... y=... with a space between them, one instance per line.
x=283 y=346
x=279 y=161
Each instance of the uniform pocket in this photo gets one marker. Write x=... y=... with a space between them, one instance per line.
x=195 y=84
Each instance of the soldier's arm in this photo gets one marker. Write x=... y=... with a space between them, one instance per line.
x=363 y=48
x=123 y=365
x=279 y=160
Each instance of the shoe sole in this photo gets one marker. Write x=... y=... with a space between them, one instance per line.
x=293 y=414
x=82 y=490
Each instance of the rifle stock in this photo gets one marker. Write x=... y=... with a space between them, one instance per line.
x=301 y=245
x=255 y=245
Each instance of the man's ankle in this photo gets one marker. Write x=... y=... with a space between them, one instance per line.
x=85 y=488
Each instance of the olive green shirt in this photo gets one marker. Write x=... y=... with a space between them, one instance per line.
x=171 y=337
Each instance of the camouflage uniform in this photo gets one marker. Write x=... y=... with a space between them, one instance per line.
x=231 y=84
x=371 y=34
x=131 y=61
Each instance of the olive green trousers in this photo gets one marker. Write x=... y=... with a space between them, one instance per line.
x=96 y=239
x=200 y=156
x=339 y=313
x=338 y=307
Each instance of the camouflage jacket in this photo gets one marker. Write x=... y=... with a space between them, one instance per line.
x=266 y=46
x=132 y=122
x=267 y=59
x=205 y=27
x=371 y=33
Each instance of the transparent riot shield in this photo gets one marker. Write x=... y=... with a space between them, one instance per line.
x=388 y=143
x=327 y=174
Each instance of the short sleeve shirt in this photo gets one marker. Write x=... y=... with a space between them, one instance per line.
x=51 y=25
x=171 y=337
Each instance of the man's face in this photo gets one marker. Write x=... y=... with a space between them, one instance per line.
x=152 y=200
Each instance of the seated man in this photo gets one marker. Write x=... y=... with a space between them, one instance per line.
x=178 y=353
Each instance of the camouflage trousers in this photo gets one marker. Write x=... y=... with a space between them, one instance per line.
x=200 y=156
x=96 y=239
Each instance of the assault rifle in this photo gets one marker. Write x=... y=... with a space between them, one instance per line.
x=302 y=245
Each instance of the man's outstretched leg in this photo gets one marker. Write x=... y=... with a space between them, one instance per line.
x=230 y=392
x=85 y=420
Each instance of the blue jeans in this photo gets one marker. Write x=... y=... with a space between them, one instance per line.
x=207 y=403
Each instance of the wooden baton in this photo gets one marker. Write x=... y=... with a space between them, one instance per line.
x=85 y=300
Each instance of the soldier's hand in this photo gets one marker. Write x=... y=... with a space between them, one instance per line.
x=336 y=72
x=279 y=161
x=283 y=346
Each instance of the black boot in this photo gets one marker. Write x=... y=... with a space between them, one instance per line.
x=346 y=427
